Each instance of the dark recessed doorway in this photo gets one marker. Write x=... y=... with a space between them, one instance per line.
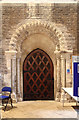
x=38 y=76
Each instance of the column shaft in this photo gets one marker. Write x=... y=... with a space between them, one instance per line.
x=55 y=79
x=7 y=77
x=14 y=75
x=63 y=76
x=63 y=72
x=58 y=95
x=58 y=75
x=18 y=75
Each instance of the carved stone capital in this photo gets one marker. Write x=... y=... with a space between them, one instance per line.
x=11 y=54
x=19 y=55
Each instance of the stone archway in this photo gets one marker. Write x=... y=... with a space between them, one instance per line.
x=63 y=45
x=63 y=39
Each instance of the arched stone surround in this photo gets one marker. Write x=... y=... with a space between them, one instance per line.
x=53 y=38
x=62 y=36
x=34 y=41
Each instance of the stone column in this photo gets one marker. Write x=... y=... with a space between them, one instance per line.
x=55 y=78
x=63 y=74
x=18 y=80
x=11 y=72
x=13 y=82
x=18 y=75
x=7 y=77
x=58 y=94
x=63 y=71
x=69 y=80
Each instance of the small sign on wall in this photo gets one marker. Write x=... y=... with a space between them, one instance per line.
x=68 y=71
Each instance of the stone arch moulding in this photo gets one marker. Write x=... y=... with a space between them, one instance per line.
x=57 y=33
x=63 y=41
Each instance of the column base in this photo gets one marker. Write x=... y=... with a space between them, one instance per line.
x=58 y=97
x=19 y=98
x=63 y=95
x=14 y=98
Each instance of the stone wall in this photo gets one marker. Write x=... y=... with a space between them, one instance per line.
x=13 y=14
x=64 y=19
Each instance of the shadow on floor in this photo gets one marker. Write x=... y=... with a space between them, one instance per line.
x=8 y=108
x=76 y=108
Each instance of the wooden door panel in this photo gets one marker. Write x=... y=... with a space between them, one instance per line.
x=38 y=76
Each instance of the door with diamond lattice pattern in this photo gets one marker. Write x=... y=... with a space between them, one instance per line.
x=38 y=76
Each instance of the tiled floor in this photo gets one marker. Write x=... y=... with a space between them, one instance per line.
x=40 y=109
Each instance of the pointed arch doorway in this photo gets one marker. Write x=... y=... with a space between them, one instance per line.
x=38 y=76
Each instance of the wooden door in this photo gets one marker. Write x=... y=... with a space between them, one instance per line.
x=38 y=76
